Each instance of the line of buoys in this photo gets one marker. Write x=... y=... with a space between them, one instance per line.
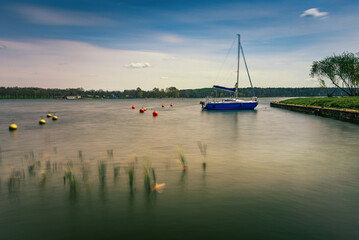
x=13 y=127
x=154 y=113
x=42 y=121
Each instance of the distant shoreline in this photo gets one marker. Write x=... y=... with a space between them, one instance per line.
x=171 y=92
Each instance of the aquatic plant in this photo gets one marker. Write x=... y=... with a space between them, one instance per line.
x=70 y=178
x=116 y=172
x=48 y=165
x=110 y=154
x=203 y=148
x=148 y=172
x=101 y=171
x=156 y=186
x=182 y=159
x=80 y=155
x=150 y=180
x=131 y=175
x=14 y=180
x=31 y=169
x=43 y=177
x=84 y=171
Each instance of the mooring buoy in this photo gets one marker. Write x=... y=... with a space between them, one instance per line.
x=12 y=127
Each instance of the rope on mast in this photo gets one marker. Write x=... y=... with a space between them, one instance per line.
x=245 y=63
x=239 y=54
x=225 y=59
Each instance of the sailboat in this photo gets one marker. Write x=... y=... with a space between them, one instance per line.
x=233 y=103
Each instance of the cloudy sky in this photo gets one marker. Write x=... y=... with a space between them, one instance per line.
x=124 y=44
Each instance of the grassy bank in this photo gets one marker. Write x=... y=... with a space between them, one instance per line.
x=333 y=102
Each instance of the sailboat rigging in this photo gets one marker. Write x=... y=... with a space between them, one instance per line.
x=233 y=103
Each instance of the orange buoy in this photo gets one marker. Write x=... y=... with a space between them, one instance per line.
x=171 y=105
x=145 y=109
x=142 y=110
x=155 y=113
x=163 y=105
x=133 y=107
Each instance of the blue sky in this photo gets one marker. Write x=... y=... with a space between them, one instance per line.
x=116 y=45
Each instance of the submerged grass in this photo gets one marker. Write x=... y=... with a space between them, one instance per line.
x=182 y=159
x=70 y=177
x=14 y=180
x=101 y=171
x=116 y=172
x=131 y=175
x=328 y=102
x=203 y=148
x=148 y=182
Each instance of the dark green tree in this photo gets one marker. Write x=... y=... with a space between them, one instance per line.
x=342 y=71
x=172 y=92
x=139 y=93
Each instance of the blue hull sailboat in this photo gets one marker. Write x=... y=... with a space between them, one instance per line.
x=233 y=103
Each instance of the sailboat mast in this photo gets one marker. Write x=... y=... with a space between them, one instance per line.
x=239 y=53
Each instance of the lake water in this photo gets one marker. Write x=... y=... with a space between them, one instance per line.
x=270 y=173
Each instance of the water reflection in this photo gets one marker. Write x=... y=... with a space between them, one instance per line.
x=258 y=165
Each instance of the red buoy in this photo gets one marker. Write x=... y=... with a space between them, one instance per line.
x=133 y=107
x=171 y=105
x=163 y=105
x=155 y=113
x=142 y=110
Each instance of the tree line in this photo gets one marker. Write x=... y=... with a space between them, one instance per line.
x=171 y=92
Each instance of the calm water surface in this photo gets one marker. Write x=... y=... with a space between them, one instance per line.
x=271 y=173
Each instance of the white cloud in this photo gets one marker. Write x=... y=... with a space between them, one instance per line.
x=52 y=16
x=138 y=65
x=314 y=12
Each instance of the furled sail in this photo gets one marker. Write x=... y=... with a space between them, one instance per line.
x=225 y=88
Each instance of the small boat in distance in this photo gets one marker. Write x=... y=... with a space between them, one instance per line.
x=233 y=103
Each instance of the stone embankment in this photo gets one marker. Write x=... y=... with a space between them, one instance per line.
x=341 y=114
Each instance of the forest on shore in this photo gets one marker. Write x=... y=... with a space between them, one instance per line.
x=171 y=92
